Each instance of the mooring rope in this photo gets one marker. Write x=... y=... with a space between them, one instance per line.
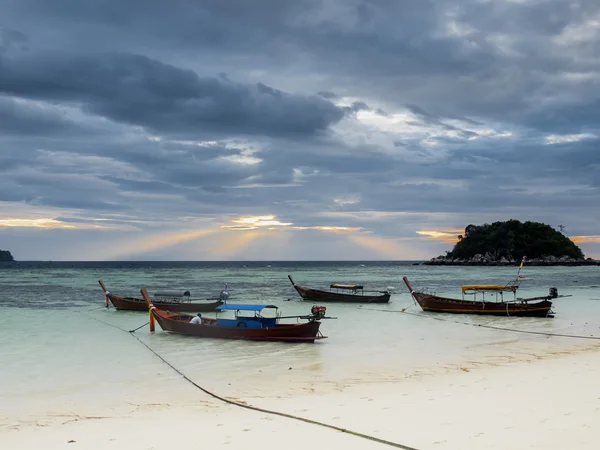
x=515 y=330
x=250 y=407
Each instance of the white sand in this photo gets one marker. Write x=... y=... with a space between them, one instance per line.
x=541 y=404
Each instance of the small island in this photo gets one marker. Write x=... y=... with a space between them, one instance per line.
x=505 y=243
x=6 y=256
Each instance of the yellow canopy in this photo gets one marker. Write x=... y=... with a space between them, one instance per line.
x=487 y=287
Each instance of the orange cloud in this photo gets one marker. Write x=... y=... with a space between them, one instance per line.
x=448 y=236
x=585 y=239
x=35 y=223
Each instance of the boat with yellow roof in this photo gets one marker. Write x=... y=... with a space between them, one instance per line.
x=496 y=304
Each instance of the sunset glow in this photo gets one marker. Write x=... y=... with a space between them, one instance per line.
x=254 y=222
x=35 y=223
x=585 y=239
x=272 y=224
x=448 y=236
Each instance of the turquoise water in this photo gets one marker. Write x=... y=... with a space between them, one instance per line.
x=63 y=354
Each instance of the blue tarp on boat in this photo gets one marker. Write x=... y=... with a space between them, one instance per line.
x=242 y=307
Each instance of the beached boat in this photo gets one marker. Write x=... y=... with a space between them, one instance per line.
x=495 y=305
x=177 y=301
x=254 y=326
x=354 y=293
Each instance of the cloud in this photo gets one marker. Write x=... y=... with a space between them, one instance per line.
x=447 y=236
x=373 y=120
x=561 y=139
x=35 y=223
x=138 y=90
x=585 y=239
x=271 y=223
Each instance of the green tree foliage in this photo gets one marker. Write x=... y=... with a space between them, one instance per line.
x=6 y=256
x=513 y=239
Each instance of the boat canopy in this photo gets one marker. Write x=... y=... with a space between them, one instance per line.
x=243 y=307
x=346 y=286
x=172 y=293
x=488 y=287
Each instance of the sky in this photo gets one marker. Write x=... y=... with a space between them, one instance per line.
x=293 y=130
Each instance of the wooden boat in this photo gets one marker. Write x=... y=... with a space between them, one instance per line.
x=355 y=295
x=532 y=307
x=169 y=300
x=255 y=327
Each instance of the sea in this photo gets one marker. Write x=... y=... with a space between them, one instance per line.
x=64 y=354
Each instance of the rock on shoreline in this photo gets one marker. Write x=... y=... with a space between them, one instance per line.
x=489 y=260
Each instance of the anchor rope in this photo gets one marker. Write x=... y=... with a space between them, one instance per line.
x=485 y=325
x=250 y=407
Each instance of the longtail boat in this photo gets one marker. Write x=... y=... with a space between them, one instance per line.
x=178 y=301
x=355 y=294
x=531 y=307
x=254 y=327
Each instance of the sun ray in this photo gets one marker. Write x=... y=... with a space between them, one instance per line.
x=230 y=244
x=387 y=247
x=158 y=241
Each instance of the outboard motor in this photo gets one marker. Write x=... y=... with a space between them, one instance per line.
x=553 y=292
x=318 y=312
x=223 y=295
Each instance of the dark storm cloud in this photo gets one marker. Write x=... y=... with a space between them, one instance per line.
x=138 y=90
x=461 y=58
x=11 y=39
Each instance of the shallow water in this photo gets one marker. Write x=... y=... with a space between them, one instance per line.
x=63 y=354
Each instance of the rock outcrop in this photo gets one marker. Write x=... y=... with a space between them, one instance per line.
x=489 y=260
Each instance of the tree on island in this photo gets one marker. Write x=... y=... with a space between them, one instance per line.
x=512 y=240
x=6 y=256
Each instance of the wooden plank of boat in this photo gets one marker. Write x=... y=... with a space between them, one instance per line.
x=317 y=295
x=255 y=328
x=121 y=302
x=540 y=307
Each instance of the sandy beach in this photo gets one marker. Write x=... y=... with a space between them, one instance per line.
x=543 y=403
x=73 y=377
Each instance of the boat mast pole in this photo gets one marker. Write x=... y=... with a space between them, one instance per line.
x=521 y=266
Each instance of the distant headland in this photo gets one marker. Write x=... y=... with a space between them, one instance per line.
x=506 y=243
x=6 y=256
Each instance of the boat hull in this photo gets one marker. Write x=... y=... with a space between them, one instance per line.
x=435 y=303
x=179 y=323
x=317 y=295
x=139 y=304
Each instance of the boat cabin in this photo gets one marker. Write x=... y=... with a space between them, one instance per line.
x=253 y=317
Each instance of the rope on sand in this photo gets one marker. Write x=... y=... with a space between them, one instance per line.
x=255 y=408
x=485 y=325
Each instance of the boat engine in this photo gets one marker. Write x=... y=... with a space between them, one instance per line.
x=553 y=292
x=224 y=295
x=318 y=312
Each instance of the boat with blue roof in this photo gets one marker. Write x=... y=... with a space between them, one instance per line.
x=256 y=322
